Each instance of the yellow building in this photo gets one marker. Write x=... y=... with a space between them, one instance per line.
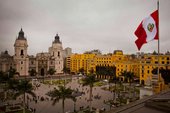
x=148 y=62
x=67 y=61
x=81 y=61
x=89 y=62
x=141 y=65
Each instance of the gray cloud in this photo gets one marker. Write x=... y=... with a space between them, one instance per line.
x=82 y=24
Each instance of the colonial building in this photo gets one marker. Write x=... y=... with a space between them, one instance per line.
x=41 y=63
x=6 y=61
x=141 y=65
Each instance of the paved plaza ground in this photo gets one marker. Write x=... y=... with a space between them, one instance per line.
x=45 y=105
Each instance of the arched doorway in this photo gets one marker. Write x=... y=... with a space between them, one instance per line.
x=42 y=71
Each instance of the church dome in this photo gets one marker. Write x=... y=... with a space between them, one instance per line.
x=57 y=39
x=21 y=35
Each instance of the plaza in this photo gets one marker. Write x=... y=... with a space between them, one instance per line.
x=102 y=98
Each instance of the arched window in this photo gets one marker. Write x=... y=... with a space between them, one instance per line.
x=22 y=52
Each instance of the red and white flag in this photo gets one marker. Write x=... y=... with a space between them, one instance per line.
x=147 y=30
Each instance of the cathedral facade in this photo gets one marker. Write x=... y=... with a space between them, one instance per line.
x=41 y=63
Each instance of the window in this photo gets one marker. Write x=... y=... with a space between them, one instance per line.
x=58 y=54
x=148 y=62
x=22 y=52
x=149 y=57
x=142 y=71
x=21 y=62
x=32 y=62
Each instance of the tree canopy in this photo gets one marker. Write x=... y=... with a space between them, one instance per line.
x=61 y=93
x=51 y=71
x=106 y=70
x=165 y=73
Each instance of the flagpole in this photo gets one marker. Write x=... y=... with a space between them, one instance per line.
x=158 y=42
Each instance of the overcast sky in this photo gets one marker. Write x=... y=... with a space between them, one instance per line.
x=82 y=25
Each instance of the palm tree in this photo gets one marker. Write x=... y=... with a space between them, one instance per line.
x=51 y=71
x=61 y=93
x=22 y=87
x=89 y=81
x=74 y=99
x=129 y=76
x=65 y=70
x=6 y=77
x=114 y=80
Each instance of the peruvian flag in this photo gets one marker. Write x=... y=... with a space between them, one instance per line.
x=147 y=30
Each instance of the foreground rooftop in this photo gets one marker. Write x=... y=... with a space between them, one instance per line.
x=159 y=103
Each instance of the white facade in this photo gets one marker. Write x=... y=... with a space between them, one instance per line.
x=23 y=63
x=56 y=51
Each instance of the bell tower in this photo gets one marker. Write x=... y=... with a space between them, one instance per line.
x=56 y=52
x=21 y=58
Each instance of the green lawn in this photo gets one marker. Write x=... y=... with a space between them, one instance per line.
x=27 y=111
x=57 y=82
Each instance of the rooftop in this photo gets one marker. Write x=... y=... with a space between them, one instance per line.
x=153 y=104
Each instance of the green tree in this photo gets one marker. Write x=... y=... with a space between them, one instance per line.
x=81 y=70
x=6 y=77
x=106 y=71
x=22 y=87
x=32 y=72
x=11 y=73
x=66 y=70
x=3 y=82
x=61 y=93
x=89 y=81
x=128 y=76
x=51 y=71
x=3 y=77
x=164 y=73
